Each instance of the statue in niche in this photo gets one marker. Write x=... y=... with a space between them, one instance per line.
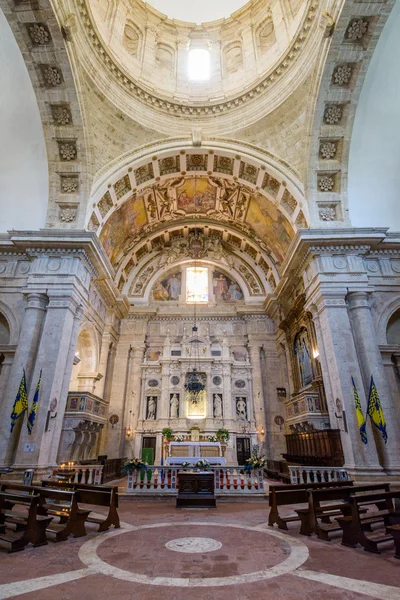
x=151 y=408
x=174 y=406
x=217 y=406
x=241 y=408
x=303 y=355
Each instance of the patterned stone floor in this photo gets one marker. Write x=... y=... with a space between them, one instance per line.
x=228 y=553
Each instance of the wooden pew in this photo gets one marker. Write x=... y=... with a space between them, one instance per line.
x=356 y=526
x=338 y=505
x=294 y=493
x=56 y=503
x=394 y=530
x=97 y=495
x=29 y=525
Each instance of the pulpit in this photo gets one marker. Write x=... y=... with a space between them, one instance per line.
x=195 y=489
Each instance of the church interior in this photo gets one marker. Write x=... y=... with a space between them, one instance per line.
x=199 y=299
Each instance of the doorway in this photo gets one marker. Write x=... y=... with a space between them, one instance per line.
x=242 y=450
x=149 y=449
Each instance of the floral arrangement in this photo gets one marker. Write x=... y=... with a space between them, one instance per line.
x=136 y=464
x=255 y=462
x=179 y=438
x=167 y=433
x=202 y=464
x=212 y=438
x=222 y=435
x=186 y=464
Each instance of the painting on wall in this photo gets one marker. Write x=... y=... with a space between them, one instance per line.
x=226 y=289
x=196 y=195
x=269 y=223
x=153 y=355
x=168 y=288
x=122 y=226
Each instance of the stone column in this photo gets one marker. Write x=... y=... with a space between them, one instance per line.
x=55 y=358
x=133 y=395
x=7 y=356
x=339 y=363
x=258 y=392
x=270 y=371
x=227 y=397
x=31 y=330
x=370 y=358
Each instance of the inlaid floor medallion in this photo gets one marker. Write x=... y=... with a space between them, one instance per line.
x=193 y=544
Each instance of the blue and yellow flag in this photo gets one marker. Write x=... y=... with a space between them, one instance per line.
x=360 y=416
x=375 y=410
x=33 y=411
x=21 y=402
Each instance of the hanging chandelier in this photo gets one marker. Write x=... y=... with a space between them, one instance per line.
x=194 y=380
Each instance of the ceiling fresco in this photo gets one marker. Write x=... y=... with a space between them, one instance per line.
x=212 y=198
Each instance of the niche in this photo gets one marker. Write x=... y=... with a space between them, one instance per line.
x=266 y=36
x=233 y=57
x=165 y=57
x=131 y=39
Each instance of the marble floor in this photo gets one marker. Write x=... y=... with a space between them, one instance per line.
x=228 y=553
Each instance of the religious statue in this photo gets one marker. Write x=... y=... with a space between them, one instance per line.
x=174 y=406
x=241 y=409
x=151 y=408
x=302 y=351
x=217 y=406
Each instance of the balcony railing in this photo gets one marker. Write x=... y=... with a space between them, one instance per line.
x=227 y=481
x=78 y=473
x=316 y=474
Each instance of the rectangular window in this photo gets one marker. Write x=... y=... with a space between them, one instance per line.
x=196 y=284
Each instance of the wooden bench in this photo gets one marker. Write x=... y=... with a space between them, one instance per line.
x=28 y=525
x=338 y=506
x=97 y=495
x=57 y=503
x=356 y=526
x=294 y=493
x=394 y=530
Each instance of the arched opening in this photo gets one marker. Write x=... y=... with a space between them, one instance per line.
x=393 y=329
x=4 y=331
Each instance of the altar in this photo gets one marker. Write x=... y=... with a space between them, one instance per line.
x=192 y=452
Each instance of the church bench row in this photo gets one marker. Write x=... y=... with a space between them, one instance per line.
x=94 y=495
x=325 y=504
x=357 y=526
x=19 y=512
x=291 y=494
x=60 y=504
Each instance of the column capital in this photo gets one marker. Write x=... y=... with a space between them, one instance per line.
x=36 y=300
x=358 y=300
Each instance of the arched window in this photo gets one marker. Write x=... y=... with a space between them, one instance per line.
x=196 y=284
x=393 y=329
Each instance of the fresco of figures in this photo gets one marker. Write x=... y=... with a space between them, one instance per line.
x=226 y=289
x=168 y=288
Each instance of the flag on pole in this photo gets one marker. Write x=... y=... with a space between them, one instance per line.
x=360 y=416
x=20 y=403
x=33 y=411
x=375 y=410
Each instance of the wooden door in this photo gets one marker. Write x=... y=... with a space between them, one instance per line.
x=243 y=450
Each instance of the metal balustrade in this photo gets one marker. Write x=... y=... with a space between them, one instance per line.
x=227 y=481
x=300 y=474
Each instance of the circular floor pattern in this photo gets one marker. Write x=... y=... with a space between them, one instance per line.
x=193 y=545
x=119 y=553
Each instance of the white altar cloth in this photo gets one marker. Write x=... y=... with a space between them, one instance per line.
x=192 y=452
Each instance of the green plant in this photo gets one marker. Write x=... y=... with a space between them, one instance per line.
x=222 y=435
x=179 y=438
x=136 y=464
x=167 y=433
x=202 y=464
x=212 y=438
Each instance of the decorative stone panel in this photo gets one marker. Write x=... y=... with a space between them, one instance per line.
x=93 y=224
x=327 y=212
x=328 y=181
x=301 y=222
x=105 y=204
x=67 y=214
x=39 y=34
x=144 y=173
x=223 y=164
x=51 y=75
x=196 y=162
x=288 y=202
x=69 y=184
x=248 y=172
x=333 y=114
x=328 y=149
x=342 y=75
x=67 y=150
x=169 y=164
x=270 y=185
x=357 y=31
x=61 y=114
x=122 y=186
